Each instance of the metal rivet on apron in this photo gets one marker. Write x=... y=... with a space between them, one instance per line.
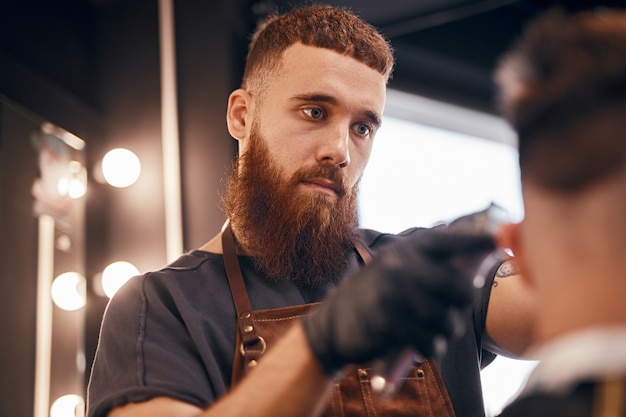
x=252 y=364
x=248 y=329
x=420 y=373
x=244 y=315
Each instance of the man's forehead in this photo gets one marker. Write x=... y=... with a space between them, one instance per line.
x=301 y=56
x=308 y=70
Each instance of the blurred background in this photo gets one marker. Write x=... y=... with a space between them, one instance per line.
x=114 y=152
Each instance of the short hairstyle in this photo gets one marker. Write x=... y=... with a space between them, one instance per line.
x=563 y=89
x=321 y=26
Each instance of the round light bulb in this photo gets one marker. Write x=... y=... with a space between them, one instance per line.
x=78 y=183
x=120 y=167
x=69 y=291
x=115 y=275
x=77 y=189
x=74 y=183
x=70 y=405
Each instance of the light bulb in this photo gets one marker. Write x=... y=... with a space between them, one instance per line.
x=70 y=405
x=74 y=182
x=77 y=186
x=115 y=275
x=68 y=291
x=120 y=167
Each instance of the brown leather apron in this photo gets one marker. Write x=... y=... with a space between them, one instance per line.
x=422 y=392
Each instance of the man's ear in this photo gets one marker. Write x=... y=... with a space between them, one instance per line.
x=509 y=238
x=239 y=114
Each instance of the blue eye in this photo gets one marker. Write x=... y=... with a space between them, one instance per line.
x=362 y=129
x=314 y=113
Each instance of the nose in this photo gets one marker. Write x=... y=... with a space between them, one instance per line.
x=334 y=147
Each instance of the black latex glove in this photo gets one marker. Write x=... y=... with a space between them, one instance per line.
x=409 y=296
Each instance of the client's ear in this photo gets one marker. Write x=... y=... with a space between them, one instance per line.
x=508 y=238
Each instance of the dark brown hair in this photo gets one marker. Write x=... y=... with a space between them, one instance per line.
x=321 y=26
x=563 y=89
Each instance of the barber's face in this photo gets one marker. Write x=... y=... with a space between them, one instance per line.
x=322 y=109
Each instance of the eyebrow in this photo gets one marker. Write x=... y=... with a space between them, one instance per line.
x=325 y=98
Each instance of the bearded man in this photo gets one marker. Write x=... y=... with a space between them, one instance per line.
x=221 y=330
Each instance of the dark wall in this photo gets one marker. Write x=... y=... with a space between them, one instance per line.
x=55 y=40
x=18 y=271
x=211 y=45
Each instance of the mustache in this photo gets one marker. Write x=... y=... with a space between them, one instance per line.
x=328 y=172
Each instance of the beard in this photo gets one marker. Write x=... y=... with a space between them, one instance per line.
x=301 y=237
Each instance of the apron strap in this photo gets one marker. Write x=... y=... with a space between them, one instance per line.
x=252 y=345
x=362 y=250
x=609 y=398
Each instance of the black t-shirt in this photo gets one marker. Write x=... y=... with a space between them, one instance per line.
x=172 y=333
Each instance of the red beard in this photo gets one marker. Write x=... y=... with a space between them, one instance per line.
x=304 y=238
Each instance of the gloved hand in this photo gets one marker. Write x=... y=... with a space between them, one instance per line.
x=409 y=296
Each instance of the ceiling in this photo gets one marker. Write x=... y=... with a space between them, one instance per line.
x=447 y=49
